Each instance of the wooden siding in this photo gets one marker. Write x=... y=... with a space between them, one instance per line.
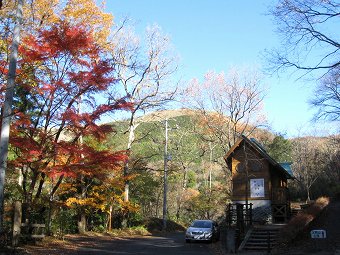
x=250 y=165
x=280 y=195
x=257 y=168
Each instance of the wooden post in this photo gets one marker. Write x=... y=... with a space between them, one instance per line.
x=231 y=240
x=251 y=214
x=240 y=217
x=228 y=214
x=16 y=223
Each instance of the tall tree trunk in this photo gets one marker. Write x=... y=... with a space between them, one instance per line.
x=82 y=215
x=49 y=218
x=126 y=166
x=132 y=128
x=158 y=203
x=181 y=192
x=7 y=108
x=109 y=224
x=28 y=198
x=308 y=194
x=81 y=212
x=82 y=222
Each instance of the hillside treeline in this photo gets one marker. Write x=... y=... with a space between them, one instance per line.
x=198 y=180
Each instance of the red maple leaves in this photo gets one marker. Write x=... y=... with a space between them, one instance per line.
x=60 y=39
x=61 y=74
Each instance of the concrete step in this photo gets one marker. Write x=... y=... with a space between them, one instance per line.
x=251 y=239
x=262 y=231
x=258 y=238
x=265 y=245
x=255 y=248
x=263 y=236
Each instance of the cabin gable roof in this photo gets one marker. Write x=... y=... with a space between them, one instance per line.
x=283 y=168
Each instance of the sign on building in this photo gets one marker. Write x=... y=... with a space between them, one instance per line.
x=256 y=187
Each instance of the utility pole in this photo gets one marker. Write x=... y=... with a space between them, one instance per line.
x=7 y=107
x=211 y=161
x=165 y=175
x=210 y=170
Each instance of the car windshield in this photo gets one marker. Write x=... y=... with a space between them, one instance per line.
x=201 y=224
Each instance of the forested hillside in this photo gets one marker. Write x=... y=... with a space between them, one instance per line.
x=198 y=184
x=198 y=181
x=194 y=155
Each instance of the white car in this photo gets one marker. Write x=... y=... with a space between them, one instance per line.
x=202 y=230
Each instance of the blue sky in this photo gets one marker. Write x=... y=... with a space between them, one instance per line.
x=217 y=34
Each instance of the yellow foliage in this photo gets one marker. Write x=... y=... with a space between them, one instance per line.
x=87 y=12
x=39 y=14
x=36 y=13
x=128 y=207
x=190 y=193
x=130 y=177
x=66 y=188
x=87 y=202
x=100 y=197
x=72 y=200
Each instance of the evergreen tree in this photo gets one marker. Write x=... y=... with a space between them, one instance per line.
x=280 y=149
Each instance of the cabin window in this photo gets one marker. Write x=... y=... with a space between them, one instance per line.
x=241 y=167
x=283 y=184
x=256 y=166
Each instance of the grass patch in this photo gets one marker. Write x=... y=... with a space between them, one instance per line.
x=151 y=225
x=156 y=225
x=132 y=231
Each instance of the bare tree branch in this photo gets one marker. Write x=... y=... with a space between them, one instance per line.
x=304 y=27
x=144 y=71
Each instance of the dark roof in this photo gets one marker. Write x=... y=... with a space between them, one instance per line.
x=287 y=167
x=282 y=167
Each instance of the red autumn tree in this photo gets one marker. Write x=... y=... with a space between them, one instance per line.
x=63 y=78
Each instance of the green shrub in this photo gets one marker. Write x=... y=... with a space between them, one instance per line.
x=137 y=230
x=99 y=228
x=135 y=219
x=64 y=222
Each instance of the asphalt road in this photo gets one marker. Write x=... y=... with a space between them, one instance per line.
x=172 y=244
x=169 y=244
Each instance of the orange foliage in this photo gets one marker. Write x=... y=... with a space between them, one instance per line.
x=58 y=67
x=190 y=193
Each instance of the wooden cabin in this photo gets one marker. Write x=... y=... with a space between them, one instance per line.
x=260 y=180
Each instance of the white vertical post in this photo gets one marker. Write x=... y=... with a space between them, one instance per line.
x=165 y=175
x=7 y=107
x=210 y=167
